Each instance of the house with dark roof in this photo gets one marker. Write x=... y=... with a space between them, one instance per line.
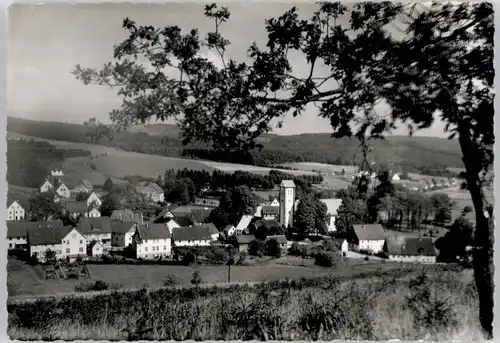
x=332 y=207
x=127 y=215
x=98 y=229
x=65 y=242
x=17 y=232
x=243 y=242
x=411 y=249
x=367 y=237
x=151 y=191
x=122 y=233
x=270 y=212
x=201 y=235
x=151 y=241
x=84 y=186
x=16 y=209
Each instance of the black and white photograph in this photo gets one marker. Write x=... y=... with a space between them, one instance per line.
x=269 y=171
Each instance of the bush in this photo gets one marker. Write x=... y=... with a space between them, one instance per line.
x=382 y=254
x=326 y=258
x=297 y=250
x=273 y=248
x=242 y=257
x=256 y=248
x=328 y=245
x=196 y=279
x=97 y=286
x=170 y=280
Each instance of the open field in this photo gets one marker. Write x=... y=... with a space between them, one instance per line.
x=27 y=281
x=322 y=167
x=119 y=163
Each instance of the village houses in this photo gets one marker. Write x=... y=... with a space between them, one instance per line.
x=202 y=235
x=84 y=186
x=17 y=232
x=75 y=209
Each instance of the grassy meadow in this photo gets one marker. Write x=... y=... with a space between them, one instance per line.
x=412 y=303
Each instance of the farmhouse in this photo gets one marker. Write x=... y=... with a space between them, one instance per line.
x=151 y=191
x=243 y=242
x=411 y=249
x=17 y=232
x=270 y=212
x=332 y=206
x=152 y=241
x=127 y=215
x=96 y=229
x=84 y=186
x=15 y=211
x=76 y=209
x=369 y=237
x=122 y=233
x=192 y=236
x=65 y=242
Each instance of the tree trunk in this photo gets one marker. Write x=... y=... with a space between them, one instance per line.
x=483 y=237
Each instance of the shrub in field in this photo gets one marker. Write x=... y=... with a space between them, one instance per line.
x=170 y=280
x=329 y=245
x=242 y=257
x=297 y=250
x=196 y=279
x=97 y=286
x=326 y=258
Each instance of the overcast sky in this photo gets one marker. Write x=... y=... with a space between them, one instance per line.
x=45 y=42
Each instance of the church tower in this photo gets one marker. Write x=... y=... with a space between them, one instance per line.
x=287 y=202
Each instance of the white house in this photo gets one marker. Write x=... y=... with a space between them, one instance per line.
x=332 y=206
x=93 y=198
x=342 y=244
x=63 y=191
x=122 y=233
x=411 y=249
x=396 y=177
x=65 y=242
x=46 y=186
x=56 y=173
x=230 y=230
x=74 y=244
x=15 y=211
x=95 y=249
x=369 y=237
x=94 y=213
x=152 y=241
x=192 y=236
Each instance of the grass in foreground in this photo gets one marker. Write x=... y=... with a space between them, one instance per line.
x=437 y=305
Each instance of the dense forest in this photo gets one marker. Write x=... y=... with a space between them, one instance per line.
x=29 y=161
x=411 y=154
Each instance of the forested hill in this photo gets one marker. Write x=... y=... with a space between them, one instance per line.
x=408 y=153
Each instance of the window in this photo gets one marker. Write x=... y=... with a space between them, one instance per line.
x=73 y=235
x=146 y=249
x=81 y=241
x=67 y=242
x=67 y=251
x=164 y=247
x=10 y=246
x=80 y=250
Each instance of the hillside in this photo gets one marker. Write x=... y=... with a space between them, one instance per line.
x=413 y=154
